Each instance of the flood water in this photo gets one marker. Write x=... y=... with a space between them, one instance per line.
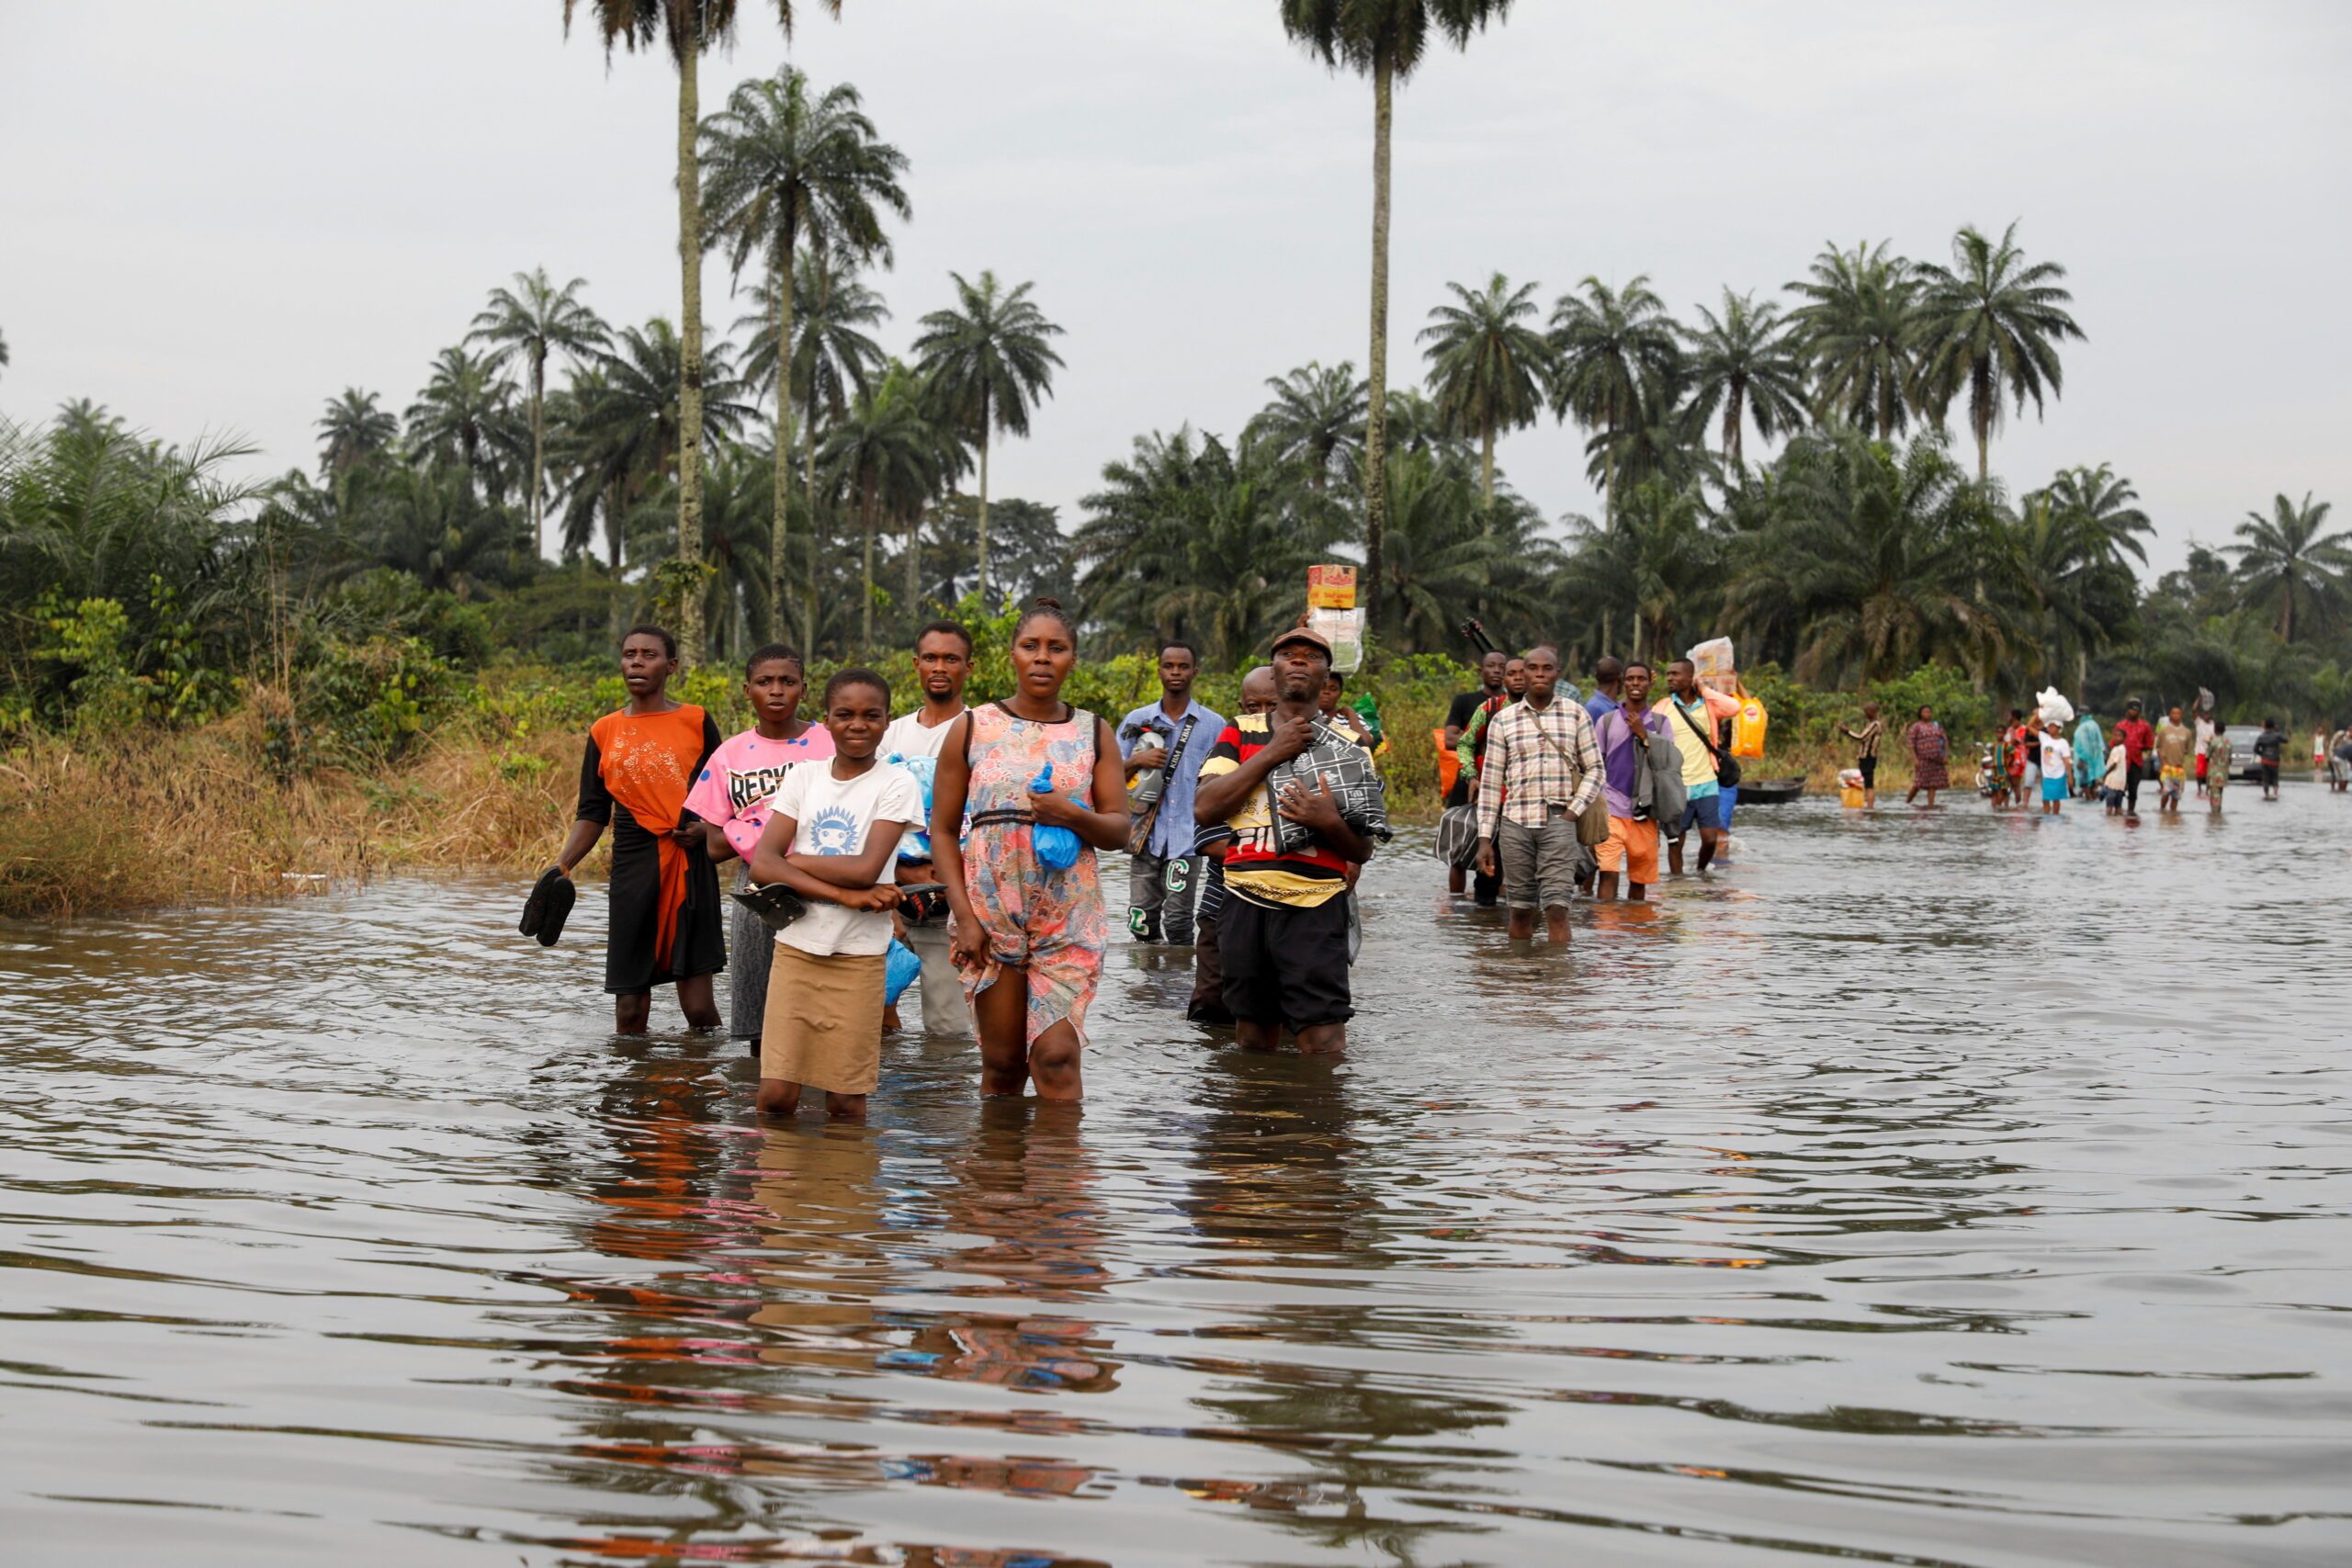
x=1931 y=1189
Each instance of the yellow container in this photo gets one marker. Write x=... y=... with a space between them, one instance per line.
x=1850 y=796
x=1747 y=730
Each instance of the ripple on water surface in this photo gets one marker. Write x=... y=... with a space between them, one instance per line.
x=1934 y=1189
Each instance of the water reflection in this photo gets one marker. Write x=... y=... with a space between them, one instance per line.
x=1830 y=1207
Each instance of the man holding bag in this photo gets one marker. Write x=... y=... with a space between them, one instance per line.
x=1542 y=772
x=1697 y=710
x=1164 y=744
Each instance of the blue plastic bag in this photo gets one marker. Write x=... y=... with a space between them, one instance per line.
x=900 y=967
x=914 y=844
x=1056 y=846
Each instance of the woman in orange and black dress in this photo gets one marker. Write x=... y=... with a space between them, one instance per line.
x=666 y=926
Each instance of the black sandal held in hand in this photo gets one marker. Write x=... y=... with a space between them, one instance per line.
x=549 y=907
x=775 y=904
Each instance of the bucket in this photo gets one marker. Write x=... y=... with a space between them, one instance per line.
x=1850 y=796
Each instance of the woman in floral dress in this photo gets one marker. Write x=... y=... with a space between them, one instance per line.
x=1016 y=919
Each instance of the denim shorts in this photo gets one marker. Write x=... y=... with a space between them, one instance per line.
x=1702 y=811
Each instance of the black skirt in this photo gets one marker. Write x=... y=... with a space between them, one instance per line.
x=700 y=947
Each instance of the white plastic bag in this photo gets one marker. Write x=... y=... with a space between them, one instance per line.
x=2054 y=706
x=1713 y=660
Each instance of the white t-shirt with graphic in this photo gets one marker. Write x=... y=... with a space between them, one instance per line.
x=2057 y=760
x=908 y=736
x=836 y=816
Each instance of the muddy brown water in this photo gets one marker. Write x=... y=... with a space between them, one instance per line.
x=1940 y=1189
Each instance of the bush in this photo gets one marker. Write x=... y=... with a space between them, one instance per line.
x=357 y=706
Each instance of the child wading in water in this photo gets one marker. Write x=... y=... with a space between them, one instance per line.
x=833 y=837
x=731 y=798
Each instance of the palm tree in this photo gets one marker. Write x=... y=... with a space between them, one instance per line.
x=2288 y=558
x=2074 y=536
x=628 y=435
x=1994 y=324
x=1386 y=40
x=1316 y=420
x=1747 y=363
x=1449 y=547
x=687 y=28
x=886 y=455
x=534 y=320
x=1487 y=367
x=987 y=362
x=834 y=358
x=1880 y=560
x=1187 y=539
x=1606 y=343
x=784 y=166
x=1859 y=328
x=4 y=351
x=452 y=419
x=352 y=430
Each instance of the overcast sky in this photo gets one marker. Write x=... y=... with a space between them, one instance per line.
x=216 y=216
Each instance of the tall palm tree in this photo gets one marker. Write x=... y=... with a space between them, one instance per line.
x=686 y=28
x=1992 y=325
x=2290 y=558
x=629 y=433
x=784 y=165
x=1385 y=39
x=1859 y=328
x=534 y=320
x=987 y=361
x=1745 y=362
x=1605 y=343
x=1487 y=367
x=1315 y=420
x=886 y=455
x=352 y=430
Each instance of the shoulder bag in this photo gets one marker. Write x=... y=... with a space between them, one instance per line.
x=1727 y=767
x=1592 y=822
x=1140 y=825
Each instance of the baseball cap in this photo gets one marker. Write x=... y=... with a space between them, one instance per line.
x=1300 y=634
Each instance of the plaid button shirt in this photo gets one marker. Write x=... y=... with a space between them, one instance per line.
x=1525 y=770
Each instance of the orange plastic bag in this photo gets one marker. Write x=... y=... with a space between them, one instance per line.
x=1747 y=729
x=1449 y=763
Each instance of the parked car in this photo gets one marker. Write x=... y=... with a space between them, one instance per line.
x=2243 y=764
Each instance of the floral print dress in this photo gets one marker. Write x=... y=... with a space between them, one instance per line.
x=1050 y=923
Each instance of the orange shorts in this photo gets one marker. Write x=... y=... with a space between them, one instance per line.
x=1631 y=849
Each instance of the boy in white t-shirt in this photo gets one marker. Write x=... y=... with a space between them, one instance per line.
x=833 y=837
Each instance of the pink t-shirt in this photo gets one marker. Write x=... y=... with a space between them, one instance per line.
x=733 y=788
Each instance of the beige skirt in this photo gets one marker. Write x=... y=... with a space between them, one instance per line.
x=822 y=1027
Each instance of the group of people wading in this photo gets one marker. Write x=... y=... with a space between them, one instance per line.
x=1262 y=820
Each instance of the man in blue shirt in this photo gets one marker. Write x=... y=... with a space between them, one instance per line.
x=1160 y=878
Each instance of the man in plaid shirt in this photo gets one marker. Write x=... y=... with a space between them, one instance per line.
x=1543 y=768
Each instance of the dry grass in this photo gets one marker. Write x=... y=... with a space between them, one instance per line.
x=165 y=820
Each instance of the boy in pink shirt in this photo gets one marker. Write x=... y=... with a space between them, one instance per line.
x=731 y=797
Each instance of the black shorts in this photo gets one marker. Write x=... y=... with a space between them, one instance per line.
x=1869 y=766
x=1284 y=965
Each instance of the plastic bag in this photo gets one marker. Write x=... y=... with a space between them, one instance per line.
x=1714 y=661
x=2054 y=706
x=1056 y=846
x=900 y=964
x=914 y=844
